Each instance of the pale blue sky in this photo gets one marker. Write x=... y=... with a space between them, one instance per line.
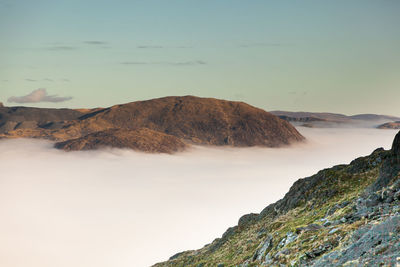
x=338 y=56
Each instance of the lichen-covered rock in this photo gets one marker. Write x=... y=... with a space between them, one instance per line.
x=309 y=228
x=248 y=218
x=289 y=238
x=264 y=247
x=371 y=245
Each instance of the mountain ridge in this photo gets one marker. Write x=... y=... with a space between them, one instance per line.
x=327 y=119
x=194 y=120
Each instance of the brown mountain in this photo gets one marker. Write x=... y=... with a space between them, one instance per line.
x=13 y=118
x=390 y=125
x=142 y=139
x=194 y=120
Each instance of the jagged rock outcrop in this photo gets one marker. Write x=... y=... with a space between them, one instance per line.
x=193 y=120
x=396 y=145
x=389 y=168
x=347 y=215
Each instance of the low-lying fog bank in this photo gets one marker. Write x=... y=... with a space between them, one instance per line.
x=121 y=208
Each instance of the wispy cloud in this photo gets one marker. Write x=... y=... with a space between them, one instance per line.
x=59 y=46
x=261 y=44
x=95 y=42
x=160 y=46
x=45 y=79
x=62 y=48
x=149 y=46
x=167 y=63
x=38 y=95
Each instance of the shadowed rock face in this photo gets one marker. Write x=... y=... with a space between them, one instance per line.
x=396 y=145
x=193 y=120
x=389 y=168
x=13 y=118
x=143 y=139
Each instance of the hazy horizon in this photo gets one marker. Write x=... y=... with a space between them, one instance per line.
x=30 y=105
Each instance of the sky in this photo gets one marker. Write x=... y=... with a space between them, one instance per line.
x=338 y=56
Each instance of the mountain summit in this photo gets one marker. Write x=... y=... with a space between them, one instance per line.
x=187 y=119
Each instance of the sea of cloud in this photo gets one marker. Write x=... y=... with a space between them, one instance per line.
x=120 y=208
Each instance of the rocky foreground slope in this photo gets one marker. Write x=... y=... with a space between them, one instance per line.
x=159 y=125
x=347 y=215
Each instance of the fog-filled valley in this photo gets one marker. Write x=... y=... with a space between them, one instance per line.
x=124 y=208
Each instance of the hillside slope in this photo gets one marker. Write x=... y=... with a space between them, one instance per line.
x=142 y=139
x=194 y=120
x=202 y=121
x=347 y=215
x=13 y=118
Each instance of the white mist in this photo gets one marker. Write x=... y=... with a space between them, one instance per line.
x=119 y=208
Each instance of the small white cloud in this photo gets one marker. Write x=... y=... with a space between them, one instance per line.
x=38 y=95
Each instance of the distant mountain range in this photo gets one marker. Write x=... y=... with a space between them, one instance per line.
x=316 y=119
x=166 y=124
